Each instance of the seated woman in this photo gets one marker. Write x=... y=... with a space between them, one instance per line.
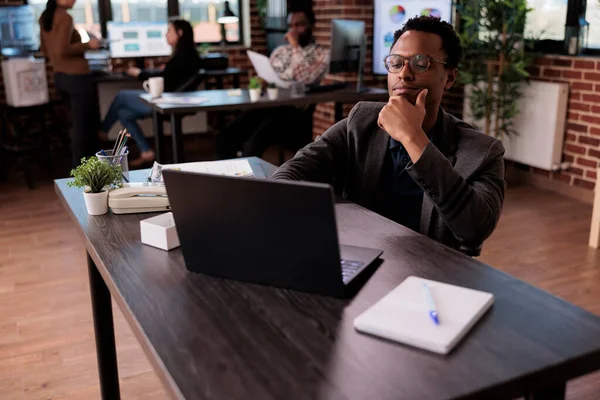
x=127 y=107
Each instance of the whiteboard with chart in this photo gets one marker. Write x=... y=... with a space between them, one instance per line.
x=391 y=15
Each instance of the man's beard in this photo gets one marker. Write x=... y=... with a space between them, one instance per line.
x=305 y=38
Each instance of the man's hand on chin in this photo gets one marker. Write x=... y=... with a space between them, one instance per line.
x=404 y=122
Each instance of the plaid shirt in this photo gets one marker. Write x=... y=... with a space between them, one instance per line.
x=306 y=64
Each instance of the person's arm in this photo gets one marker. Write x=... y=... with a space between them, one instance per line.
x=64 y=32
x=292 y=64
x=322 y=160
x=470 y=209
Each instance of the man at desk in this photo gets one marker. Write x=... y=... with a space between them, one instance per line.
x=409 y=160
x=301 y=61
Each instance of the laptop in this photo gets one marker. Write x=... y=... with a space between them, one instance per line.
x=274 y=233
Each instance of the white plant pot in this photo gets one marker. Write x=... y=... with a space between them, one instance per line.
x=96 y=203
x=272 y=93
x=254 y=94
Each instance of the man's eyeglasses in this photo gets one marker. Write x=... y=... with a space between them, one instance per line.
x=418 y=63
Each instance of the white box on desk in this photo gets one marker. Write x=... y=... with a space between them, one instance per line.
x=160 y=231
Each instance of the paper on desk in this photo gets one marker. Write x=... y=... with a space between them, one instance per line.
x=265 y=70
x=236 y=168
x=180 y=100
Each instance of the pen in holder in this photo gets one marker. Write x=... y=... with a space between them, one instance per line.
x=108 y=157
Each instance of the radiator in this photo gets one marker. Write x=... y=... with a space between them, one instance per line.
x=540 y=125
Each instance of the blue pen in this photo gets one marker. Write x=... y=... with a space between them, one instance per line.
x=103 y=153
x=432 y=310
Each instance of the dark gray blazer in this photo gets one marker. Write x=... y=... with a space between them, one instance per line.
x=462 y=175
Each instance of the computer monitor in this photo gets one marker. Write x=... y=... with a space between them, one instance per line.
x=138 y=39
x=348 y=48
x=18 y=30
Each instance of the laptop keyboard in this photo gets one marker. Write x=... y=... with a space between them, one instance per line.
x=349 y=269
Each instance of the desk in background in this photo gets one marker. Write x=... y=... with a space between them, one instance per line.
x=213 y=338
x=221 y=100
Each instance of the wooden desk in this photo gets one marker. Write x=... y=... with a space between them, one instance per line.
x=220 y=100
x=210 y=338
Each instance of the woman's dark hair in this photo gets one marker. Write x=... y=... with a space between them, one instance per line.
x=48 y=15
x=185 y=44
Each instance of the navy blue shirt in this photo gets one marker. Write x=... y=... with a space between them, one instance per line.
x=399 y=197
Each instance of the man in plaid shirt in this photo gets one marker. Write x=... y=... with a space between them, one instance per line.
x=302 y=61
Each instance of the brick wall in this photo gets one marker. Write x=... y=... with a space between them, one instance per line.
x=582 y=136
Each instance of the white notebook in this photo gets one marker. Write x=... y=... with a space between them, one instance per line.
x=403 y=314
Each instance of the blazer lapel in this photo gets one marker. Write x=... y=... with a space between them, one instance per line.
x=378 y=146
x=446 y=141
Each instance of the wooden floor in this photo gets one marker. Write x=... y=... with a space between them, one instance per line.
x=46 y=334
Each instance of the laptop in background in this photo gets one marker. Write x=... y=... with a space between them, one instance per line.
x=275 y=233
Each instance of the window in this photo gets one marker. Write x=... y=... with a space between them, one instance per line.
x=139 y=10
x=593 y=17
x=84 y=13
x=547 y=19
x=203 y=15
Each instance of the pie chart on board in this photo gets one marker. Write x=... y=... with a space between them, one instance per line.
x=431 y=12
x=397 y=14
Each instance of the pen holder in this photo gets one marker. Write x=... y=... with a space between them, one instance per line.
x=107 y=157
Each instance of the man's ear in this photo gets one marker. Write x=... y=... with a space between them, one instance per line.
x=451 y=80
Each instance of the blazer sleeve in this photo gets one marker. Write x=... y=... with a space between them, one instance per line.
x=470 y=209
x=322 y=160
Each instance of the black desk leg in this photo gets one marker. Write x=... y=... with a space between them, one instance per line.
x=556 y=392
x=104 y=331
x=157 y=127
x=339 y=111
x=236 y=81
x=219 y=80
x=177 y=136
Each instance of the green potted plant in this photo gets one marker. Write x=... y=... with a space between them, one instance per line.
x=494 y=66
x=96 y=177
x=272 y=91
x=254 y=88
x=204 y=49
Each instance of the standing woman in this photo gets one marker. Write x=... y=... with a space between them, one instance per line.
x=61 y=44
x=127 y=107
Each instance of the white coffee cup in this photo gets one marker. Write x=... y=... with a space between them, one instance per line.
x=155 y=86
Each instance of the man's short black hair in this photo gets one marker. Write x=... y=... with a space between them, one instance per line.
x=450 y=41
x=308 y=12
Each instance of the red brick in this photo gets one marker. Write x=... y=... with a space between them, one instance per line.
x=568 y=158
x=542 y=172
x=596 y=109
x=552 y=73
x=577 y=127
x=572 y=74
x=592 y=76
x=594 y=153
x=582 y=86
x=598 y=88
x=534 y=71
x=587 y=163
x=585 y=184
x=571 y=137
x=575 y=171
x=595 y=98
x=574 y=149
x=594 y=130
x=573 y=116
x=591 y=119
x=584 y=64
x=562 y=178
x=579 y=106
x=590 y=174
x=542 y=61
x=561 y=62
x=589 y=140
x=574 y=96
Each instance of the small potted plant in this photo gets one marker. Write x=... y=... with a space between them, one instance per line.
x=254 y=87
x=96 y=176
x=272 y=91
